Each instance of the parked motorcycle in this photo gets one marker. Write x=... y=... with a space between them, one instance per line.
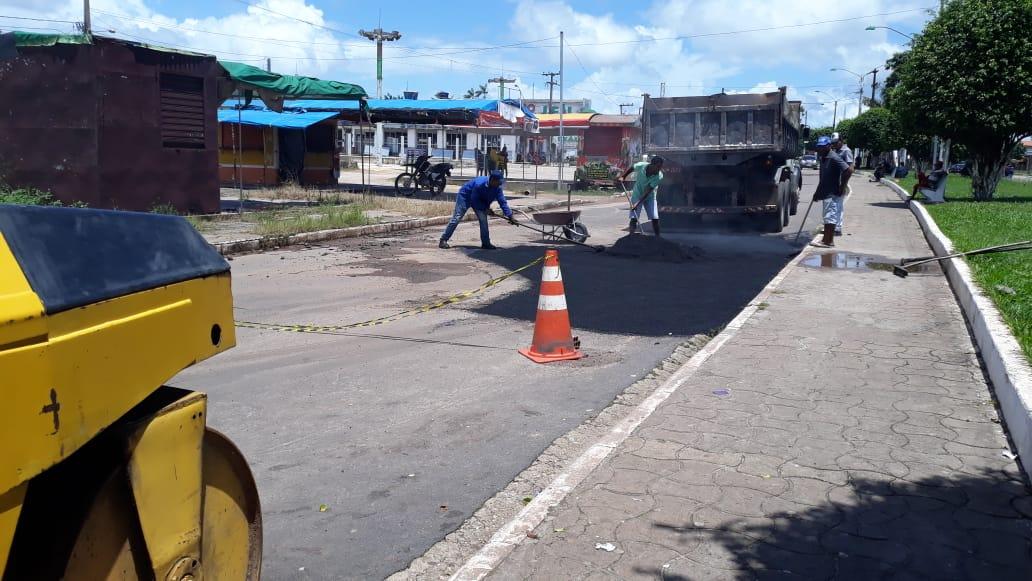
x=431 y=177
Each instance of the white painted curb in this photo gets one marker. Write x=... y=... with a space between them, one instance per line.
x=505 y=540
x=1005 y=363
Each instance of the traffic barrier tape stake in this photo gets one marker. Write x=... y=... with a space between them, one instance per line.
x=388 y=319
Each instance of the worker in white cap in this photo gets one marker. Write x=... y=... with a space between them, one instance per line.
x=846 y=154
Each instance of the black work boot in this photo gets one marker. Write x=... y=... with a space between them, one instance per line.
x=443 y=244
x=655 y=227
x=633 y=227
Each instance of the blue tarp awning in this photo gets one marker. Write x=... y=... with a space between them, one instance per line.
x=265 y=118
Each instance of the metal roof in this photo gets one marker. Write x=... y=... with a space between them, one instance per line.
x=614 y=120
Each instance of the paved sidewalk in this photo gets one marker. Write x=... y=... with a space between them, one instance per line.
x=856 y=439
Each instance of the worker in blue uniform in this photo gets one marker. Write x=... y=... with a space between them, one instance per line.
x=478 y=194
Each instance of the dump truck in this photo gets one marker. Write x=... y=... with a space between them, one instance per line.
x=726 y=154
x=105 y=471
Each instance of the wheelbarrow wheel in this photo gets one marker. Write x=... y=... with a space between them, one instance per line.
x=576 y=232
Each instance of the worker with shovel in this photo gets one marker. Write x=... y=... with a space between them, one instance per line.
x=478 y=193
x=647 y=177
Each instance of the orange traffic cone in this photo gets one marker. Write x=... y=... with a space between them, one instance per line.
x=553 y=339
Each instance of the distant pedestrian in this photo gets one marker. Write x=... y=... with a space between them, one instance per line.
x=504 y=160
x=478 y=194
x=647 y=177
x=843 y=151
x=834 y=174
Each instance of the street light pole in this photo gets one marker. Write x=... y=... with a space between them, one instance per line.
x=860 y=87
x=379 y=36
x=892 y=29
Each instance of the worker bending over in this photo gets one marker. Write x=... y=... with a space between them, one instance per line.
x=646 y=182
x=478 y=193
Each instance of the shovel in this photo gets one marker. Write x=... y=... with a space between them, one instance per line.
x=632 y=205
x=902 y=272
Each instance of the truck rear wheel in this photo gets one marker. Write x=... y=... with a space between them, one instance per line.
x=772 y=221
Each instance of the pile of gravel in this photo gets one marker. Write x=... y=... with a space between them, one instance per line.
x=652 y=248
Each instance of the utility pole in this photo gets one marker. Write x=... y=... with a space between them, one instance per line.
x=562 y=136
x=622 y=105
x=268 y=64
x=551 y=85
x=501 y=85
x=379 y=36
x=874 y=83
x=662 y=89
x=86 y=26
x=834 y=116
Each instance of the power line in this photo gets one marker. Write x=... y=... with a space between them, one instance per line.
x=457 y=50
x=588 y=75
x=271 y=11
x=750 y=30
x=38 y=19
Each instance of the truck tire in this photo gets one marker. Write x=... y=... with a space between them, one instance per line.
x=773 y=222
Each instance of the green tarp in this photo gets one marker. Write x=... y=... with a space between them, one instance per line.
x=37 y=39
x=290 y=86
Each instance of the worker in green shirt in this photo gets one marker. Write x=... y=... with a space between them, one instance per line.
x=646 y=182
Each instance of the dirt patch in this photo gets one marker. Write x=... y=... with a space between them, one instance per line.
x=414 y=272
x=653 y=248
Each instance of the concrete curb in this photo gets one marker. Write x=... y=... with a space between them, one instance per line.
x=265 y=243
x=505 y=540
x=1005 y=363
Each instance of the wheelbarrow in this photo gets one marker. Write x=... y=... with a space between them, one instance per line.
x=567 y=222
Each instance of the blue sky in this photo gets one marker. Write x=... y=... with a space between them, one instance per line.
x=616 y=50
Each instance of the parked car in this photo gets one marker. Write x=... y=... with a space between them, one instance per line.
x=808 y=161
x=961 y=167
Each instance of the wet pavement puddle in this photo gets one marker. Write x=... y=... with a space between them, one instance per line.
x=859 y=262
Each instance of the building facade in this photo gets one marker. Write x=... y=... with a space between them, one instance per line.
x=110 y=123
x=541 y=106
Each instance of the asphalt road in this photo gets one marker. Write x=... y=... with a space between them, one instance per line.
x=403 y=430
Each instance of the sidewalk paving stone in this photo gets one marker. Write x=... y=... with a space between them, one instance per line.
x=845 y=432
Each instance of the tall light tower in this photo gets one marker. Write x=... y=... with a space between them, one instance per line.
x=379 y=36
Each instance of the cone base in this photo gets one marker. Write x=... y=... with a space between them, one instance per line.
x=542 y=358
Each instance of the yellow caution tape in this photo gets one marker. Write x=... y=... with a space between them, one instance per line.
x=381 y=320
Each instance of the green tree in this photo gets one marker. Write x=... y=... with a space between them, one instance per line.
x=968 y=78
x=476 y=92
x=876 y=130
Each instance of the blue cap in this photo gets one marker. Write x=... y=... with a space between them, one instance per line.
x=496 y=173
x=823 y=141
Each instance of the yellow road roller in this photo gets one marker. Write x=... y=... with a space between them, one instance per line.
x=105 y=472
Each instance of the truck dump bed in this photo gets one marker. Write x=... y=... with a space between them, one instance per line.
x=722 y=123
x=726 y=154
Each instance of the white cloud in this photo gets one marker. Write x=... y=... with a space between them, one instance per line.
x=609 y=60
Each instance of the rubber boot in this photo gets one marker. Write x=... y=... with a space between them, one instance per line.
x=829 y=234
x=633 y=227
x=655 y=227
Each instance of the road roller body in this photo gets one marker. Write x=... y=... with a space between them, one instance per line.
x=105 y=472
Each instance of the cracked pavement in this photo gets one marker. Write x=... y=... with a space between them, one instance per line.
x=856 y=439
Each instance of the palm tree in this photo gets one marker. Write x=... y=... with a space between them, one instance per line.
x=476 y=93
